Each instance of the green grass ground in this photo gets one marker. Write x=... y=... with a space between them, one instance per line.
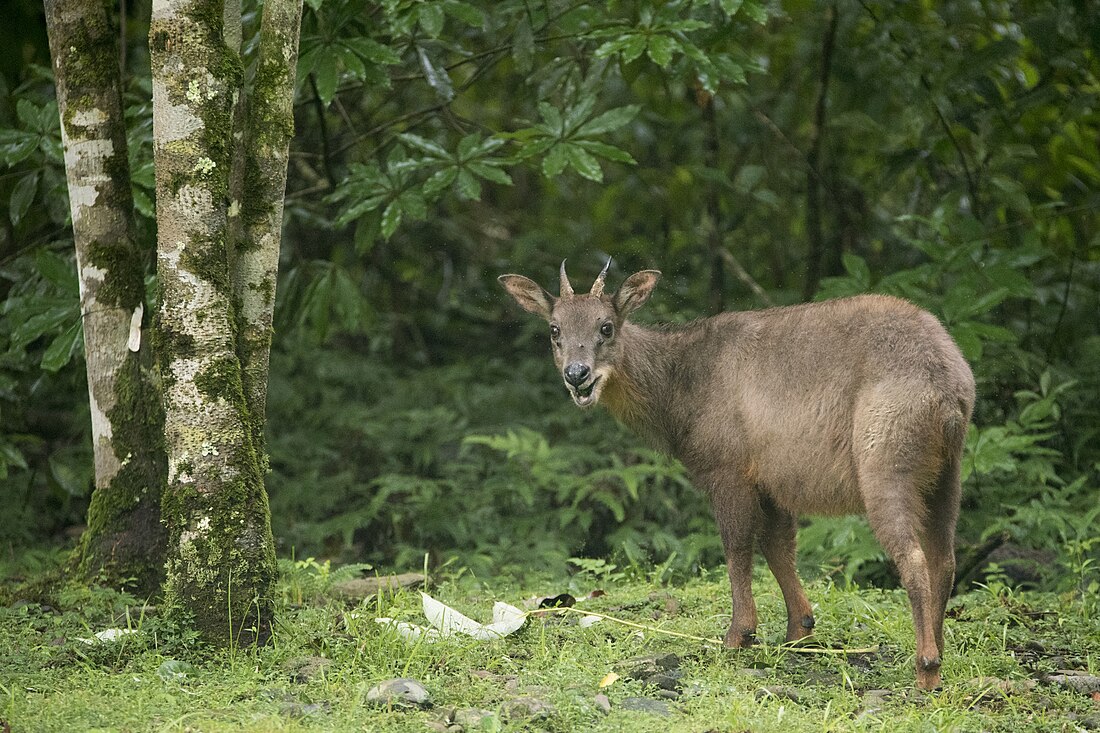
x=52 y=681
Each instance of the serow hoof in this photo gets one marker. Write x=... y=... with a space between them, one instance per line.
x=740 y=639
x=928 y=673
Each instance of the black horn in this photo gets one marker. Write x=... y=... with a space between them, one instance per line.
x=566 y=288
x=597 y=287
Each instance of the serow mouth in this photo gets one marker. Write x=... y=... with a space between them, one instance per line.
x=584 y=396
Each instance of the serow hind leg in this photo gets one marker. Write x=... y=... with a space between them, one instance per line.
x=778 y=543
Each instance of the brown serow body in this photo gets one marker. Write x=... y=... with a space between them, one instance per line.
x=857 y=405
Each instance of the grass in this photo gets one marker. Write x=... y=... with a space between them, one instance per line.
x=52 y=681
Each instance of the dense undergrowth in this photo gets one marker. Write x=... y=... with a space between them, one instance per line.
x=1003 y=647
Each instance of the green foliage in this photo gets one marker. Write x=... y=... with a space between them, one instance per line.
x=436 y=471
x=327 y=654
x=441 y=143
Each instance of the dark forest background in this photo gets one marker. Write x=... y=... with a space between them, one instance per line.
x=758 y=153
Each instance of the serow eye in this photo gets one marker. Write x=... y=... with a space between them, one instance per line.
x=607 y=329
x=555 y=332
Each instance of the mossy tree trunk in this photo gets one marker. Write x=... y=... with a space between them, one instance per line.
x=254 y=251
x=221 y=560
x=124 y=540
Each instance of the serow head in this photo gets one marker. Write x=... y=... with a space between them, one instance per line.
x=584 y=329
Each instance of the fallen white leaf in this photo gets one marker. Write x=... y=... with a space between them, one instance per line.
x=407 y=631
x=507 y=619
x=109 y=635
x=133 y=343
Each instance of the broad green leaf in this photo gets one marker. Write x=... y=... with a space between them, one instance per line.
x=687 y=26
x=730 y=70
x=16 y=145
x=352 y=63
x=49 y=320
x=391 y=219
x=1012 y=194
x=424 y=145
x=579 y=112
x=968 y=340
x=608 y=121
x=756 y=11
x=552 y=117
x=144 y=204
x=57 y=269
x=359 y=208
x=661 y=48
x=629 y=47
x=436 y=76
x=431 y=18
x=439 y=181
x=555 y=161
x=523 y=46
x=857 y=267
x=490 y=173
x=22 y=195
x=583 y=162
x=610 y=152
x=327 y=77
x=174 y=670
x=468 y=145
x=373 y=51
x=468 y=186
x=62 y=349
x=730 y=7
x=27 y=113
x=464 y=12
x=11 y=456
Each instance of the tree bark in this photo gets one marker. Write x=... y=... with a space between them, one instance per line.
x=258 y=209
x=124 y=540
x=221 y=560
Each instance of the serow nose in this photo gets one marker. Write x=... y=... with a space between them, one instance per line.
x=576 y=373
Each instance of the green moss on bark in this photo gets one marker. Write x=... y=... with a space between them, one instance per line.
x=92 y=57
x=207 y=259
x=124 y=541
x=221 y=572
x=124 y=274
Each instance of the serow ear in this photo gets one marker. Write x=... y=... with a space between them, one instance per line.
x=529 y=294
x=635 y=291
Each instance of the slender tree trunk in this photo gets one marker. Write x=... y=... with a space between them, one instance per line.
x=124 y=541
x=221 y=560
x=257 y=212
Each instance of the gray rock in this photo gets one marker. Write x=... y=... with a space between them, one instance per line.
x=360 y=588
x=527 y=709
x=669 y=680
x=1081 y=682
x=753 y=672
x=470 y=718
x=646 y=705
x=603 y=704
x=303 y=669
x=1088 y=722
x=641 y=668
x=780 y=691
x=302 y=710
x=400 y=692
x=873 y=700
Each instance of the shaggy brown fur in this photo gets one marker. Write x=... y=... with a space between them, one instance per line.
x=858 y=405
